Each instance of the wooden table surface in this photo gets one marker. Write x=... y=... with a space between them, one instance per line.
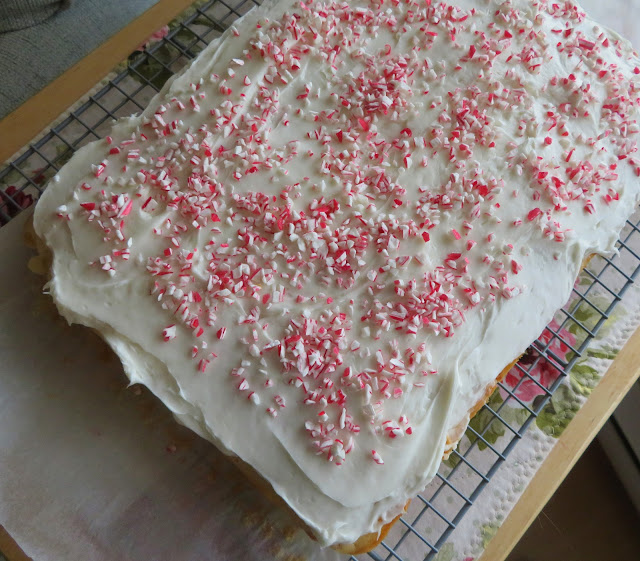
x=26 y=122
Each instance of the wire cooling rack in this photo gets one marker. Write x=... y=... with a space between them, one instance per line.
x=436 y=512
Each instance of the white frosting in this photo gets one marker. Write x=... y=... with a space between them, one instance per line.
x=402 y=161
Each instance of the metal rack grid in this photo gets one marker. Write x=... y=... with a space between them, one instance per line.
x=602 y=285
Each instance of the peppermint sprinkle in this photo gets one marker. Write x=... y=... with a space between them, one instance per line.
x=169 y=332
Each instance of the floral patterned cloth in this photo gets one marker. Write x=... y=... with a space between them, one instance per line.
x=542 y=372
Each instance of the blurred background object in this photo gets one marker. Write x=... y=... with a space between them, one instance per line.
x=19 y=14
